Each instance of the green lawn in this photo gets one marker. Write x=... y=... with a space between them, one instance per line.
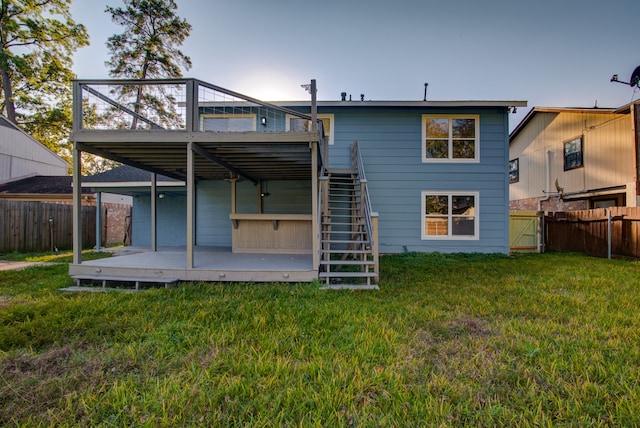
x=451 y=340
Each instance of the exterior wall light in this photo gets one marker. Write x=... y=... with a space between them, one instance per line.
x=263 y=120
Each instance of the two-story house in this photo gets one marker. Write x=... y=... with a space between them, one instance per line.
x=564 y=159
x=297 y=191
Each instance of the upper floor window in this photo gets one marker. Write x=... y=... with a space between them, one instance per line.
x=573 y=154
x=299 y=124
x=514 y=170
x=450 y=215
x=228 y=122
x=450 y=138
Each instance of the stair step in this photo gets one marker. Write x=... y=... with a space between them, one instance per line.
x=345 y=251
x=341 y=224
x=348 y=275
x=345 y=232
x=339 y=215
x=124 y=279
x=347 y=262
x=344 y=241
x=350 y=287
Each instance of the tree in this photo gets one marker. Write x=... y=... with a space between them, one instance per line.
x=147 y=49
x=37 y=41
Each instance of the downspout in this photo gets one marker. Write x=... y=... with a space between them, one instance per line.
x=547 y=170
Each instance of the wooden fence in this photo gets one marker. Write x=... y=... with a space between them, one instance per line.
x=37 y=226
x=600 y=232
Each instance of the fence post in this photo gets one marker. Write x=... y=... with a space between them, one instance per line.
x=609 y=230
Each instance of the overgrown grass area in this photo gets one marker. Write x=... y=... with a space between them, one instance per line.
x=449 y=340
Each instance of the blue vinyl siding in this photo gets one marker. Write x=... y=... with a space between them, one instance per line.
x=213 y=205
x=390 y=141
x=171 y=220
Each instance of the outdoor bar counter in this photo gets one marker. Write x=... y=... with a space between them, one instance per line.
x=272 y=233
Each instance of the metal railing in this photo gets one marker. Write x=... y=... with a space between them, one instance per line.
x=170 y=104
x=365 y=205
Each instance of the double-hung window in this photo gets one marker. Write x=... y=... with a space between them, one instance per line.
x=450 y=138
x=514 y=170
x=573 y=154
x=450 y=215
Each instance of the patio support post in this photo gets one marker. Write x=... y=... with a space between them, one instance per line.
x=154 y=211
x=191 y=202
x=233 y=195
x=98 y=221
x=315 y=225
x=77 y=205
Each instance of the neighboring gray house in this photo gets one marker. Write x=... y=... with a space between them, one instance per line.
x=22 y=156
x=304 y=190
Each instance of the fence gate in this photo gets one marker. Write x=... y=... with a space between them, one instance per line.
x=524 y=231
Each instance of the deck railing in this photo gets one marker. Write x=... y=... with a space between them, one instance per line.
x=175 y=104
x=370 y=218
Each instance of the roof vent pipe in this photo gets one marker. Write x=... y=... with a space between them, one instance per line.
x=343 y=95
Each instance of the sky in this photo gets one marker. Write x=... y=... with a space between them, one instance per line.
x=551 y=53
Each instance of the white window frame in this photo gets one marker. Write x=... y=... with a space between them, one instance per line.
x=251 y=116
x=450 y=158
x=331 y=118
x=449 y=236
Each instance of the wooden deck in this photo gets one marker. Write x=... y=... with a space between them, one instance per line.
x=210 y=264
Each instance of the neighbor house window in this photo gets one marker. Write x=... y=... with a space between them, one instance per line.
x=228 y=122
x=447 y=215
x=514 y=170
x=573 y=154
x=300 y=124
x=447 y=138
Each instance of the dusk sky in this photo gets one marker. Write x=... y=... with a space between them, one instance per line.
x=552 y=53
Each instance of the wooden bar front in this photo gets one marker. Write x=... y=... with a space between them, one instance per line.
x=272 y=233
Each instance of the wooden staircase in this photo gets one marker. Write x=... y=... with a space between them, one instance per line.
x=346 y=256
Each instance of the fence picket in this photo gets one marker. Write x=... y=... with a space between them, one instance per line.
x=25 y=226
x=586 y=232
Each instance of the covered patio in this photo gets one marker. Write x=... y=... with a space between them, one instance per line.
x=203 y=133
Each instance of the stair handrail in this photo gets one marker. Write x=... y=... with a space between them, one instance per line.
x=357 y=164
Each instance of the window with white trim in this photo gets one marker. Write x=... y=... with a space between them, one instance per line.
x=228 y=122
x=450 y=138
x=298 y=124
x=450 y=215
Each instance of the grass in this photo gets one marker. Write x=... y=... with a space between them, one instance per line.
x=449 y=340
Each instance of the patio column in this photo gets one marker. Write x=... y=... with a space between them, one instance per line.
x=98 y=221
x=154 y=216
x=77 y=204
x=191 y=202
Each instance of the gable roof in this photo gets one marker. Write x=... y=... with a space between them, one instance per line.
x=529 y=117
x=125 y=174
x=53 y=158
